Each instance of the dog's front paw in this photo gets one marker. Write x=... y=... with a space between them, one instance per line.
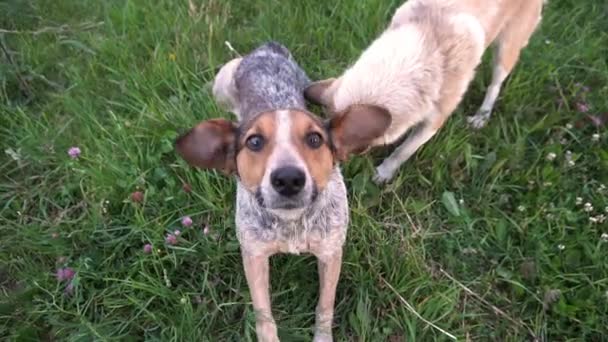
x=479 y=120
x=383 y=175
x=267 y=332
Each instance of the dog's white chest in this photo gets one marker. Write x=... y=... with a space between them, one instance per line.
x=308 y=242
x=315 y=241
x=321 y=230
x=297 y=247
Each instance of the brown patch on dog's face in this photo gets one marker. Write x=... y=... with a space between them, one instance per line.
x=250 y=160
x=311 y=142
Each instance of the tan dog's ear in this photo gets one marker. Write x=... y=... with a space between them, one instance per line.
x=320 y=93
x=224 y=87
x=210 y=145
x=354 y=130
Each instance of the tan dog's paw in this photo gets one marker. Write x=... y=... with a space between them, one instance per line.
x=267 y=332
x=383 y=175
x=322 y=337
x=479 y=120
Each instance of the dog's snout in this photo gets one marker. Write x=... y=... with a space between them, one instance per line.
x=288 y=181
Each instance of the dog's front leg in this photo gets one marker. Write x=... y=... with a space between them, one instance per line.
x=258 y=274
x=386 y=171
x=329 y=273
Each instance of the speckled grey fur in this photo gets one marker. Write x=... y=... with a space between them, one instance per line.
x=269 y=79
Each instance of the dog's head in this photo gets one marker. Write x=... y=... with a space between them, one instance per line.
x=284 y=157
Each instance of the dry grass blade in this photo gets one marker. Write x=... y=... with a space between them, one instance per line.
x=57 y=29
x=229 y=46
x=412 y=310
x=192 y=11
x=494 y=308
x=23 y=84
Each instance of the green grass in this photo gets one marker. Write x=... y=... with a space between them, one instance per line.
x=101 y=75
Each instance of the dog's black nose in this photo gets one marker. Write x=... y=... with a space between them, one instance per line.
x=288 y=181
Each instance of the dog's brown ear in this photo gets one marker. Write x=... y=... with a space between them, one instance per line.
x=210 y=145
x=319 y=92
x=354 y=130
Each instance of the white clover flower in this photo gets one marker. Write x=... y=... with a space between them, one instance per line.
x=551 y=156
x=531 y=185
x=521 y=208
x=579 y=200
x=569 y=126
x=595 y=137
x=561 y=247
x=588 y=207
x=604 y=237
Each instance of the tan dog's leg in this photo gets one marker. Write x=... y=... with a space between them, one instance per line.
x=499 y=74
x=512 y=39
x=329 y=273
x=386 y=170
x=257 y=273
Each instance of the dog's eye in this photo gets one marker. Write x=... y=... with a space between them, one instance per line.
x=255 y=142
x=314 y=140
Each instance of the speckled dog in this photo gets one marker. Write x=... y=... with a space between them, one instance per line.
x=290 y=194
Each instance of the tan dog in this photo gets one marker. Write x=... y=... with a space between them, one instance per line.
x=421 y=66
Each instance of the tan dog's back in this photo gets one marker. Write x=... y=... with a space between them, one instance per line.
x=493 y=15
x=421 y=66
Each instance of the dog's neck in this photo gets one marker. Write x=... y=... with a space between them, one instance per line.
x=330 y=202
